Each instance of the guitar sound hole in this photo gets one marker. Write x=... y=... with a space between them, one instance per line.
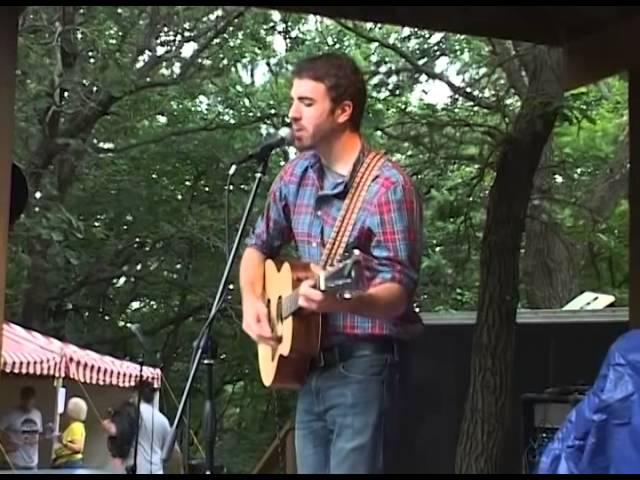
x=268 y=305
x=276 y=322
x=279 y=310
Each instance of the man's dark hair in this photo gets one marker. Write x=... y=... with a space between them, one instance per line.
x=27 y=393
x=147 y=391
x=341 y=76
x=124 y=418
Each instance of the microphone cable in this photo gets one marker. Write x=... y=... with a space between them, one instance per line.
x=227 y=189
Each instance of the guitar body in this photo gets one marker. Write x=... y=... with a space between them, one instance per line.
x=286 y=365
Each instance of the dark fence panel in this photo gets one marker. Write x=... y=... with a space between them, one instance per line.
x=436 y=370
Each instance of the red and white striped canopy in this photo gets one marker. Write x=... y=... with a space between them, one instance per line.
x=27 y=352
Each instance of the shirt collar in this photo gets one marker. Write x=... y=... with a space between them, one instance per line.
x=318 y=171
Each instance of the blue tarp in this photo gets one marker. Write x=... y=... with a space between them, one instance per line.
x=602 y=432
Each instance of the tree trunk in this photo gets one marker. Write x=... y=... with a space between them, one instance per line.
x=552 y=260
x=487 y=412
x=48 y=152
x=550 y=264
x=35 y=297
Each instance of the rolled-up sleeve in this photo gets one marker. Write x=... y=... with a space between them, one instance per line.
x=397 y=237
x=272 y=230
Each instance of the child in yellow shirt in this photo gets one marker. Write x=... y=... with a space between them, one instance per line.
x=70 y=449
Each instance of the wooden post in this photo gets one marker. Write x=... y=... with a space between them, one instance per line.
x=8 y=57
x=634 y=198
x=282 y=449
x=291 y=466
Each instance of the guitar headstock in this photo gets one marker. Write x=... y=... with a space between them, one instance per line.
x=345 y=278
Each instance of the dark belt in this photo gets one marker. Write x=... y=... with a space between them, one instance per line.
x=334 y=355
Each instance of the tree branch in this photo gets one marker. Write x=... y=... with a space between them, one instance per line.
x=208 y=127
x=490 y=131
x=84 y=122
x=207 y=34
x=103 y=270
x=210 y=37
x=526 y=54
x=156 y=328
x=148 y=42
x=423 y=69
x=507 y=60
x=415 y=139
x=612 y=184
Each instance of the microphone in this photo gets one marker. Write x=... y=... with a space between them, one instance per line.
x=282 y=138
x=136 y=329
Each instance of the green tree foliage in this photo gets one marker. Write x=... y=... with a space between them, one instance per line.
x=128 y=119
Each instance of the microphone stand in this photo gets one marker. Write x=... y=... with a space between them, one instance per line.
x=206 y=334
x=134 y=468
x=209 y=417
x=135 y=329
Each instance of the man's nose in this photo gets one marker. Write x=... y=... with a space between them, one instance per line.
x=294 y=113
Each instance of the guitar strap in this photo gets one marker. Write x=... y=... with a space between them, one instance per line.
x=360 y=182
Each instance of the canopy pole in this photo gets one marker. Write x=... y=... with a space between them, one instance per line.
x=58 y=384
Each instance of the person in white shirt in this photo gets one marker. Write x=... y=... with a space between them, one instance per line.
x=20 y=430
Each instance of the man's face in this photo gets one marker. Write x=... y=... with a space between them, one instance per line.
x=314 y=119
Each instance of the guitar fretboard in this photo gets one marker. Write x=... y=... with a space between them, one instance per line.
x=290 y=304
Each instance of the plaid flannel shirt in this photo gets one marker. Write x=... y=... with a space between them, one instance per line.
x=303 y=207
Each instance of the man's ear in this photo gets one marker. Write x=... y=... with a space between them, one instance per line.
x=343 y=112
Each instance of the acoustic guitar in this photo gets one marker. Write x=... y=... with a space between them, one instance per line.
x=286 y=365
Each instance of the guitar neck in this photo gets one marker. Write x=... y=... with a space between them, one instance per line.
x=290 y=304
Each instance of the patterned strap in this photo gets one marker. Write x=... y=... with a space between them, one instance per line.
x=355 y=197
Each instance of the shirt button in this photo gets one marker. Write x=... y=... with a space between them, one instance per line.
x=314 y=244
x=319 y=212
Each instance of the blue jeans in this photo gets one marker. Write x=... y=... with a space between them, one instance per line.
x=344 y=417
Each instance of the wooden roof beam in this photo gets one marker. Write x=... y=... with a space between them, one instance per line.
x=602 y=54
x=547 y=25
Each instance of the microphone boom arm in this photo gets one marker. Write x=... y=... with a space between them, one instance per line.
x=281 y=139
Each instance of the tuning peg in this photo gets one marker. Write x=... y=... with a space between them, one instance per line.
x=351 y=255
x=345 y=295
